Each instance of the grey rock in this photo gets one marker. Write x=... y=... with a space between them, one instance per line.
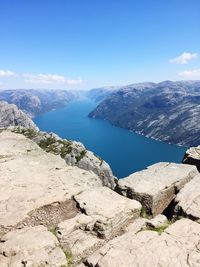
x=74 y=153
x=158 y=221
x=10 y=115
x=33 y=181
x=111 y=211
x=188 y=200
x=76 y=238
x=156 y=186
x=192 y=156
x=31 y=246
x=178 y=246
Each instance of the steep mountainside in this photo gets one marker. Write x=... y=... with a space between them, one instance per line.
x=167 y=111
x=35 y=102
x=10 y=115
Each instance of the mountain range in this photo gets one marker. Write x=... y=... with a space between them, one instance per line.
x=167 y=111
x=35 y=102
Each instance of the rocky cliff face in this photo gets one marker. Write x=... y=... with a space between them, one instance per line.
x=167 y=111
x=10 y=115
x=74 y=153
x=35 y=102
x=56 y=215
x=192 y=156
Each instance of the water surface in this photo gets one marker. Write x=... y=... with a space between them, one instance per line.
x=126 y=152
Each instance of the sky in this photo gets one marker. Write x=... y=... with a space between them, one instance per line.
x=83 y=44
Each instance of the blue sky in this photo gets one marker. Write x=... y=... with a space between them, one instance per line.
x=83 y=44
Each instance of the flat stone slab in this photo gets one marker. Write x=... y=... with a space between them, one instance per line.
x=192 y=156
x=77 y=238
x=31 y=246
x=188 y=199
x=177 y=246
x=111 y=210
x=32 y=179
x=156 y=186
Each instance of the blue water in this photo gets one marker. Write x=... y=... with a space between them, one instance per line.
x=126 y=152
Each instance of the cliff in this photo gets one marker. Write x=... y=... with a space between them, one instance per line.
x=167 y=111
x=10 y=115
x=53 y=214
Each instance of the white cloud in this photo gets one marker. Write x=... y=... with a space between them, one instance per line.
x=50 y=79
x=184 y=58
x=7 y=73
x=190 y=74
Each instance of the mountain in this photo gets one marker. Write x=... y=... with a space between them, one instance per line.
x=35 y=102
x=101 y=93
x=167 y=111
x=10 y=115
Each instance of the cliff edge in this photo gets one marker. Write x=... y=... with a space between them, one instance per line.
x=56 y=215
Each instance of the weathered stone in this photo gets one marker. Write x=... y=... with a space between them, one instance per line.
x=76 y=237
x=31 y=246
x=192 y=157
x=32 y=179
x=177 y=246
x=11 y=115
x=156 y=186
x=74 y=153
x=80 y=221
x=157 y=221
x=111 y=211
x=188 y=199
x=138 y=225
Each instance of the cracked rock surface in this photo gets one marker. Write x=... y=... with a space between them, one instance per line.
x=188 y=199
x=178 y=246
x=54 y=215
x=156 y=186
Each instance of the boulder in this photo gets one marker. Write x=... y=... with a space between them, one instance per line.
x=156 y=186
x=36 y=187
x=192 y=157
x=188 y=200
x=31 y=246
x=158 y=221
x=111 y=211
x=177 y=246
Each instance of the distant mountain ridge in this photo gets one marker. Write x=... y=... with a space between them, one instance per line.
x=167 y=111
x=35 y=102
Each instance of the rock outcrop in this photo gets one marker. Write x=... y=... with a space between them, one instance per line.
x=192 y=156
x=111 y=211
x=156 y=186
x=10 y=115
x=56 y=215
x=178 y=245
x=42 y=180
x=31 y=246
x=188 y=200
x=74 y=153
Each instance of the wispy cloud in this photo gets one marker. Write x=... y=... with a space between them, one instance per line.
x=50 y=79
x=7 y=73
x=184 y=58
x=190 y=74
